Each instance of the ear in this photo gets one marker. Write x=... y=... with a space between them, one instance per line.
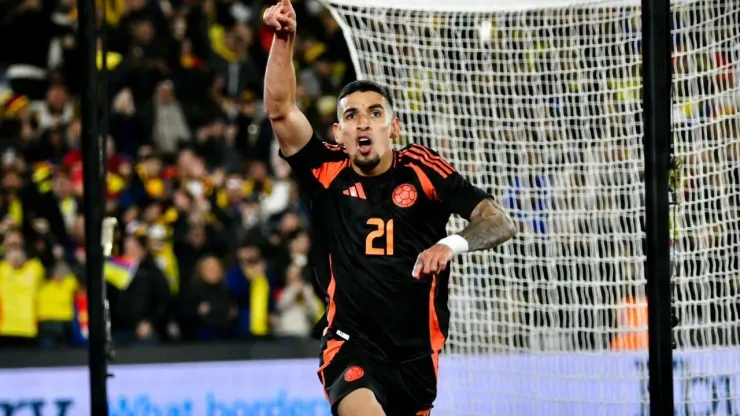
x=336 y=129
x=395 y=128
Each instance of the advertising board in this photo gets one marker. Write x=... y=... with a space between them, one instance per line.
x=706 y=383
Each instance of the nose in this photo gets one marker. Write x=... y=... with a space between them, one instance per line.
x=363 y=123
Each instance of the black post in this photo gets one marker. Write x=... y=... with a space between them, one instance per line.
x=657 y=79
x=93 y=180
x=102 y=80
x=104 y=105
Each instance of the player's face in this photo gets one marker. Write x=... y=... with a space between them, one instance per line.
x=366 y=127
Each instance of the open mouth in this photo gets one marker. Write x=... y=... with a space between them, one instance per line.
x=364 y=145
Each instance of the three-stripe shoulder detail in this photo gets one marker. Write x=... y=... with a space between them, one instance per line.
x=427 y=158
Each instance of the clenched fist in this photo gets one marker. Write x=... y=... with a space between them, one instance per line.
x=432 y=260
x=281 y=17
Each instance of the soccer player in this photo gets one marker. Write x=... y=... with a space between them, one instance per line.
x=379 y=217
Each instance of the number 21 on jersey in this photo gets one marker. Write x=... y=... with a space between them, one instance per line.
x=383 y=231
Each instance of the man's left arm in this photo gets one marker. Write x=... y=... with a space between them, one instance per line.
x=488 y=227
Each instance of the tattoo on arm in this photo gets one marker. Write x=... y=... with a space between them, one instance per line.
x=489 y=226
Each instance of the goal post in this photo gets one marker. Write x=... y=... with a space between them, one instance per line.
x=540 y=102
x=657 y=73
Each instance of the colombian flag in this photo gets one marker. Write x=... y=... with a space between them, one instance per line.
x=11 y=104
x=81 y=318
x=119 y=271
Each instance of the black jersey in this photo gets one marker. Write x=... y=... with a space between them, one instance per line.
x=370 y=231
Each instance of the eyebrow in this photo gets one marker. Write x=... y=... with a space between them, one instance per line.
x=372 y=107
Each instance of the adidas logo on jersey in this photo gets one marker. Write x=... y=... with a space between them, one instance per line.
x=356 y=191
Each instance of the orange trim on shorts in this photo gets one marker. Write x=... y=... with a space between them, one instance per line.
x=332 y=348
x=426 y=184
x=436 y=337
x=328 y=171
x=333 y=345
x=427 y=412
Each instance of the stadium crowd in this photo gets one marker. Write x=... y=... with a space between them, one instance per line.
x=213 y=237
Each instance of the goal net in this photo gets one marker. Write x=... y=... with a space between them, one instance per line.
x=539 y=102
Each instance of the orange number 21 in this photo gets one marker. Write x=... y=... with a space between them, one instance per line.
x=384 y=228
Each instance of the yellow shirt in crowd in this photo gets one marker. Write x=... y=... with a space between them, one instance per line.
x=18 y=293
x=56 y=299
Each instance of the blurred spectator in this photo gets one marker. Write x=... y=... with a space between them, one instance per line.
x=56 y=112
x=12 y=200
x=232 y=62
x=15 y=116
x=142 y=308
x=56 y=307
x=298 y=306
x=20 y=278
x=251 y=287
x=164 y=119
x=194 y=242
x=29 y=61
x=55 y=211
x=162 y=251
x=208 y=310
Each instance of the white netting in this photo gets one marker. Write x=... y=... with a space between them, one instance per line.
x=539 y=102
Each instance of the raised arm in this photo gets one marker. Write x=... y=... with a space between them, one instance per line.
x=291 y=127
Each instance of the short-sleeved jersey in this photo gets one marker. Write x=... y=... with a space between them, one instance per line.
x=369 y=232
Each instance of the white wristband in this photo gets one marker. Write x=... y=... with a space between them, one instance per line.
x=456 y=243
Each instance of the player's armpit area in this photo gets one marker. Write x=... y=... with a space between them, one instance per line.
x=489 y=226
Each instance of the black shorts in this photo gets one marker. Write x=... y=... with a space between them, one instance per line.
x=407 y=389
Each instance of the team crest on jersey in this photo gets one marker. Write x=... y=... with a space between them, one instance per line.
x=353 y=373
x=405 y=195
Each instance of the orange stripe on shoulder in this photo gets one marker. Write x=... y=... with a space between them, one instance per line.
x=426 y=185
x=433 y=156
x=426 y=163
x=438 y=160
x=328 y=171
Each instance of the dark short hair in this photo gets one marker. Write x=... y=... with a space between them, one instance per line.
x=362 y=85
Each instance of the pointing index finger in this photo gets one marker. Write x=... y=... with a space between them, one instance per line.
x=286 y=3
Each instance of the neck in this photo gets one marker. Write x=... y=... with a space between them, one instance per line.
x=385 y=163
